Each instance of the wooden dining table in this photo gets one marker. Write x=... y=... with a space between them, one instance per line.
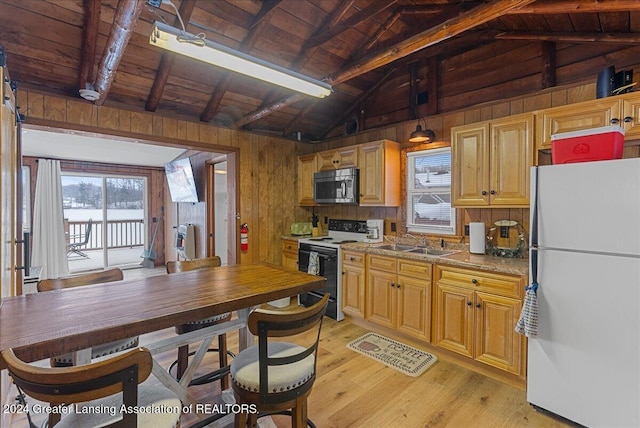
x=43 y=325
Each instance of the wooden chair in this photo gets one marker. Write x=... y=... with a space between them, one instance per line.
x=276 y=376
x=105 y=385
x=183 y=351
x=78 y=281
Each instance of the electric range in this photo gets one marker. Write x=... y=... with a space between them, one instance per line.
x=327 y=251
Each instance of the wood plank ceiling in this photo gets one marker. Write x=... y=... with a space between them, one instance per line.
x=388 y=61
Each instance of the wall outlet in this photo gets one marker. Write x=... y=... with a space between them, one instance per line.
x=466 y=230
x=393 y=227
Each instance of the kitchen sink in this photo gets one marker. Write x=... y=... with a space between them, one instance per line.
x=396 y=247
x=432 y=251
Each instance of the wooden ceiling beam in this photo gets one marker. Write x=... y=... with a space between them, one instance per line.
x=450 y=28
x=168 y=58
x=124 y=23
x=260 y=22
x=322 y=37
x=619 y=38
x=89 y=39
x=577 y=6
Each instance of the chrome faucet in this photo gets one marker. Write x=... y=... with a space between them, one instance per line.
x=391 y=239
x=422 y=242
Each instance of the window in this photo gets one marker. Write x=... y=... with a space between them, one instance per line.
x=429 y=192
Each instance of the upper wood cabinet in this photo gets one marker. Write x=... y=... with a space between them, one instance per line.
x=623 y=110
x=491 y=162
x=307 y=166
x=345 y=157
x=379 y=164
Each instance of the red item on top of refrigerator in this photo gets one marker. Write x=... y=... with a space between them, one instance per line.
x=604 y=143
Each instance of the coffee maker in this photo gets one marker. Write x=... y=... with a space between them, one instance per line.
x=375 y=230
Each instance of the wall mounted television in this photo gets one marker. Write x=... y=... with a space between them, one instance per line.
x=182 y=183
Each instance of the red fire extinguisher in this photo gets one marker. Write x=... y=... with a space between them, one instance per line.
x=244 y=237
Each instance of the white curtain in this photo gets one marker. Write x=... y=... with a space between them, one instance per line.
x=49 y=243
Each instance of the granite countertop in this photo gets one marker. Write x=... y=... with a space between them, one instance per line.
x=460 y=258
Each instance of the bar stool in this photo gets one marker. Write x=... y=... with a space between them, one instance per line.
x=276 y=376
x=183 y=351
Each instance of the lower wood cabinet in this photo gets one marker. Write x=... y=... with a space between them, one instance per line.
x=353 y=283
x=398 y=295
x=476 y=313
x=290 y=254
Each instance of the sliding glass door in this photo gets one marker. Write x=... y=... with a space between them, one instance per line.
x=104 y=220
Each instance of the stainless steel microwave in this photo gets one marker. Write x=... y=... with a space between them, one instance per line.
x=340 y=186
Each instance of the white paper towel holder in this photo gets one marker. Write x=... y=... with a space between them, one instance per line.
x=477 y=239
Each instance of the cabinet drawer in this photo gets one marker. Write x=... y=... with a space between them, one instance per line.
x=290 y=246
x=415 y=269
x=382 y=263
x=504 y=285
x=353 y=258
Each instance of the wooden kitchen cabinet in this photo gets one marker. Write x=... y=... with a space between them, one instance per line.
x=307 y=166
x=575 y=117
x=353 y=283
x=379 y=164
x=345 y=157
x=398 y=295
x=476 y=314
x=491 y=162
x=290 y=254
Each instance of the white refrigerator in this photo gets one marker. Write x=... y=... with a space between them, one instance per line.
x=584 y=365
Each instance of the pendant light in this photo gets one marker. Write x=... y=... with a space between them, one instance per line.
x=422 y=136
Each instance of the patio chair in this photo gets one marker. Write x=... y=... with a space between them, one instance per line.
x=74 y=247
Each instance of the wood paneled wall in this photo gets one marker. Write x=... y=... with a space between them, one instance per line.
x=267 y=175
x=442 y=125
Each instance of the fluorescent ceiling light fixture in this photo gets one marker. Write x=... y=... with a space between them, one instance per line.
x=197 y=47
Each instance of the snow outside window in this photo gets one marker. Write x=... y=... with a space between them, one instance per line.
x=429 y=192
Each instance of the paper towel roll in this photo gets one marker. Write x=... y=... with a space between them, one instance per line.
x=476 y=238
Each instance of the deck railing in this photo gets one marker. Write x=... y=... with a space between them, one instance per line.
x=120 y=233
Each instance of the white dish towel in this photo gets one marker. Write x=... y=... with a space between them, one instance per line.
x=314 y=263
x=528 y=322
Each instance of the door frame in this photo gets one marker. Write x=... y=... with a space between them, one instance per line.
x=233 y=203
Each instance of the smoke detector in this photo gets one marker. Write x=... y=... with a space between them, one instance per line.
x=89 y=94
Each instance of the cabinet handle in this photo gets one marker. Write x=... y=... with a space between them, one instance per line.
x=614 y=120
x=484 y=193
x=469 y=303
x=392 y=284
x=628 y=119
x=478 y=305
x=474 y=281
x=398 y=286
x=493 y=192
x=352 y=259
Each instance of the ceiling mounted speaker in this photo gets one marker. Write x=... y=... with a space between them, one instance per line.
x=352 y=126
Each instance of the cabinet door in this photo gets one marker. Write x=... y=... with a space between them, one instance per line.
x=380 y=294
x=574 y=117
x=510 y=160
x=630 y=119
x=470 y=151
x=371 y=162
x=353 y=284
x=290 y=254
x=414 y=311
x=334 y=159
x=497 y=343
x=454 y=319
x=307 y=166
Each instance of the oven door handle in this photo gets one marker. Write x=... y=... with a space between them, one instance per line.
x=324 y=256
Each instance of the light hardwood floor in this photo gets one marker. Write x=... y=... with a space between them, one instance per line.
x=352 y=390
